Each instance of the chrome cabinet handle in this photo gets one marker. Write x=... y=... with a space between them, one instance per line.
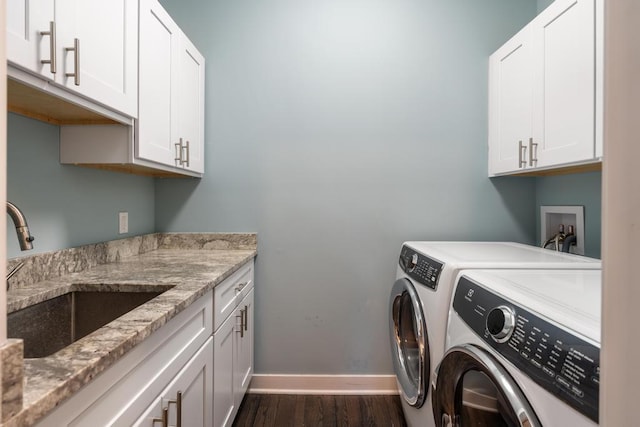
x=246 y=317
x=52 y=47
x=187 y=148
x=178 y=146
x=521 y=161
x=242 y=326
x=178 y=403
x=164 y=420
x=180 y=150
x=532 y=159
x=76 y=61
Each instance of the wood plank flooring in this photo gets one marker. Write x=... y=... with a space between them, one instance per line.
x=288 y=410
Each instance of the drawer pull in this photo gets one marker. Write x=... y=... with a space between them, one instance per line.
x=178 y=157
x=164 y=420
x=76 y=61
x=52 y=46
x=178 y=403
x=532 y=159
x=187 y=156
x=242 y=325
x=522 y=162
x=246 y=317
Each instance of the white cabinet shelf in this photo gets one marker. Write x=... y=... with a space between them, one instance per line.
x=544 y=94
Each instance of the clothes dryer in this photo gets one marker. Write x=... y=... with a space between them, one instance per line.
x=523 y=349
x=420 y=301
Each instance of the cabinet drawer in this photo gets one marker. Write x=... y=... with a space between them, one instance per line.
x=230 y=292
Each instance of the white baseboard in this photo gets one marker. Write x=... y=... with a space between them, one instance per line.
x=323 y=384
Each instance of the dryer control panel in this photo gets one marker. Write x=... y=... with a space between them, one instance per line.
x=420 y=268
x=565 y=365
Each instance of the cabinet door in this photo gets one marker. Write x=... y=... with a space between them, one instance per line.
x=224 y=408
x=243 y=369
x=26 y=47
x=510 y=103
x=107 y=36
x=194 y=385
x=564 y=98
x=157 y=123
x=191 y=105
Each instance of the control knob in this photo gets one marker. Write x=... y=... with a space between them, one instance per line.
x=412 y=262
x=501 y=322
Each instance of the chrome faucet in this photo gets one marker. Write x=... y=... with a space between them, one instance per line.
x=22 y=229
x=557 y=240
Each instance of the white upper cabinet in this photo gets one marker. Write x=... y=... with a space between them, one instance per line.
x=167 y=138
x=191 y=106
x=564 y=82
x=88 y=47
x=105 y=66
x=157 y=126
x=171 y=111
x=510 y=103
x=27 y=45
x=543 y=92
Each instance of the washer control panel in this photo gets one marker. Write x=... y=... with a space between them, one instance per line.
x=420 y=268
x=565 y=365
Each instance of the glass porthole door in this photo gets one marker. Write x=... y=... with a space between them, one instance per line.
x=473 y=389
x=409 y=343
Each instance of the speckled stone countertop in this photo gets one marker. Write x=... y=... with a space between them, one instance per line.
x=186 y=266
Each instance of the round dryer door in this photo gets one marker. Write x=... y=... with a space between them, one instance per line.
x=409 y=343
x=473 y=389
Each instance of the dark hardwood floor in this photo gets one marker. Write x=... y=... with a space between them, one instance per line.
x=287 y=410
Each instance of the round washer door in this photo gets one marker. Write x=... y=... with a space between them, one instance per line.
x=474 y=389
x=409 y=343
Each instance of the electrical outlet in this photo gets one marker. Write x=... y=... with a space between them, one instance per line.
x=123 y=222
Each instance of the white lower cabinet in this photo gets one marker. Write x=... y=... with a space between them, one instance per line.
x=193 y=371
x=243 y=370
x=224 y=408
x=187 y=400
x=136 y=389
x=233 y=346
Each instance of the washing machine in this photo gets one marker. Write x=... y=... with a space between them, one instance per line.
x=420 y=300
x=522 y=349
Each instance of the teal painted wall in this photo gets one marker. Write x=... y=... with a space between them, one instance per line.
x=542 y=4
x=583 y=189
x=65 y=205
x=336 y=130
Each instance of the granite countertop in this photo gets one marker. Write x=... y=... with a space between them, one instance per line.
x=186 y=272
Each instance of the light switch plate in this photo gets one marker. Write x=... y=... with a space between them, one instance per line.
x=123 y=222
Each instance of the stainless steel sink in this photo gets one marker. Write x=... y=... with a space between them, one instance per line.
x=53 y=324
